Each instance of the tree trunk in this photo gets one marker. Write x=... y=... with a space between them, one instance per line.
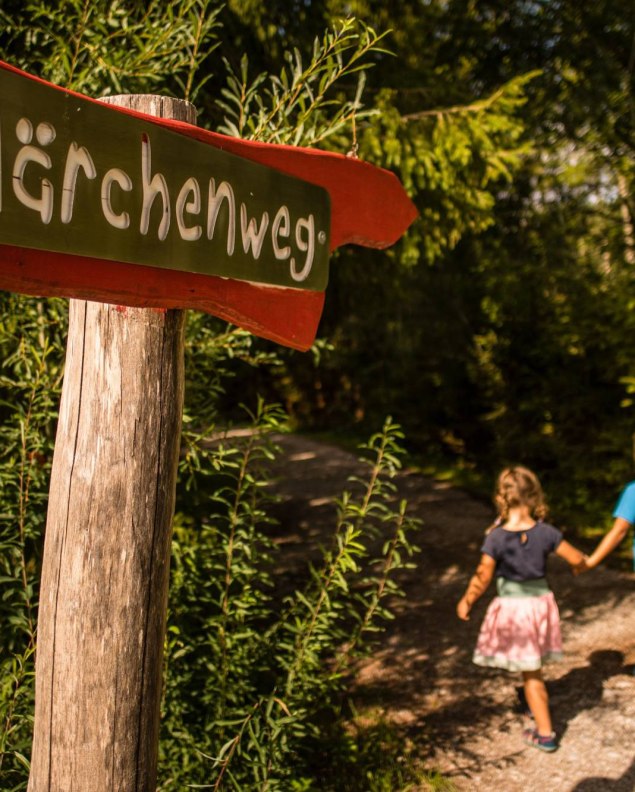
x=107 y=550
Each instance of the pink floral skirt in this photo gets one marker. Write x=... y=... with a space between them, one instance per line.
x=520 y=633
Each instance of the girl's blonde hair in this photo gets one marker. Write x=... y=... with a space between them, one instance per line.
x=519 y=486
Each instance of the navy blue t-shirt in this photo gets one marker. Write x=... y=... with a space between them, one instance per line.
x=522 y=555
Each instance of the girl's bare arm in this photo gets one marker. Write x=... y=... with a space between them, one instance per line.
x=571 y=555
x=477 y=586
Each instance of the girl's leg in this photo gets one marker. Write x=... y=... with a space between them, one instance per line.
x=538 y=700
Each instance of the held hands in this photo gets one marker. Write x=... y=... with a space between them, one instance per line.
x=582 y=566
x=463 y=609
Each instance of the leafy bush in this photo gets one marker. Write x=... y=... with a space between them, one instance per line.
x=30 y=347
x=252 y=679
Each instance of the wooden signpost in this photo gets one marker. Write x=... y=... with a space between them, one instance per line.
x=142 y=209
x=103 y=595
x=262 y=269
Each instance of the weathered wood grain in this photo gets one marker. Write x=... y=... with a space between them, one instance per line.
x=107 y=549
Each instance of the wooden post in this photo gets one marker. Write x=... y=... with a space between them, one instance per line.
x=107 y=550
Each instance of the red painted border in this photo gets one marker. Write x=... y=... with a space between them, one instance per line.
x=287 y=316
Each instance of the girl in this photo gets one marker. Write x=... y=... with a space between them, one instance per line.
x=521 y=629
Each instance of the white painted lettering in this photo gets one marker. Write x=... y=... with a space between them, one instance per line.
x=45 y=133
x=120 y=177
x=153 y=186
x=264 y=234
x=44 y=203
x=253 y=237
x=216 y=197
x=306 y=245
x=77 y=157
x=191 y=187
x=281 y=228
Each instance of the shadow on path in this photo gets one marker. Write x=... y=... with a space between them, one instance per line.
x=625 y=783
x=582 y=688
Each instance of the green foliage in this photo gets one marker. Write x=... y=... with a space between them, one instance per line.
x=100 y=47
x=112 y=46
x=248 y=676
x=452 y=160
x=371 y=755
x=31 y=335
x=359 y=520
x=299 y=105
x=253 y=672
x=500 y=330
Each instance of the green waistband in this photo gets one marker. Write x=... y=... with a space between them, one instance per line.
x=524 y=588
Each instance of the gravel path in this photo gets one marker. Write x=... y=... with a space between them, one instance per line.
x=461 y=718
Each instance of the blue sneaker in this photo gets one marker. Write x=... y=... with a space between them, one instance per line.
x=533 y=738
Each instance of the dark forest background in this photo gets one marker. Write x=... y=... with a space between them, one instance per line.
x=501 y=329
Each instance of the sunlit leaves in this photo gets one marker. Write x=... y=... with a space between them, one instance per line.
x=300 y=105
x=112 y=46
x=452 y=160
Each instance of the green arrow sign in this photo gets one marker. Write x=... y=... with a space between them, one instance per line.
x=81 y=178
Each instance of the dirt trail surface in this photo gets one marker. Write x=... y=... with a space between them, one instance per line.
x=461 y=718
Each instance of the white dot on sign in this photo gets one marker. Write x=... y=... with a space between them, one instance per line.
x=45 y=133
x=322 y=237
x=24 y=131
